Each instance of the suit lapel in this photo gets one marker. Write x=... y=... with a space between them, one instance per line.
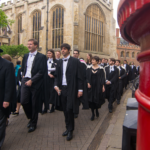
x=36 y=56
x=1 y=62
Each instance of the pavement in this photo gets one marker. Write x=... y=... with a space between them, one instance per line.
x=104 y=133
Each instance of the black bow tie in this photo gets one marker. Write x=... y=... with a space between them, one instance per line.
x=65 y=60
x=49 y=61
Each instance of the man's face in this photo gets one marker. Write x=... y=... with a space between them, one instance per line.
x=110 y=62
x=106 y=61
x=125 y=62
x=31 y=46
x=103 y=60
x=75 y=54
x=65 y=51
x=117 y=63
x=132 y=63
x=57 y=55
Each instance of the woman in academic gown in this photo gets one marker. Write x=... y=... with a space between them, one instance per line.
x=96 y=86
x=51 y=65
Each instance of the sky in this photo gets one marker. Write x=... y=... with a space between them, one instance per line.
x=115 y=6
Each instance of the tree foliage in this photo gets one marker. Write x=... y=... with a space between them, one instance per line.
x=4 y=21
x=15 y=51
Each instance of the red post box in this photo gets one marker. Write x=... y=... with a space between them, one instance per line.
x=134 y=22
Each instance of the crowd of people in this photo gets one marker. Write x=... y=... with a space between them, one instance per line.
x=64 y=83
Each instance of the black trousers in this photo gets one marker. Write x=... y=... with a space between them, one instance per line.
x=69 y=115
x=111 y=95
x=3 y=119
x=29 y=101
x=119 y=90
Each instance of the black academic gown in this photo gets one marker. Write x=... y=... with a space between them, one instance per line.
x=133 y=72
x=52 y=92
x=74 y=82
x=39 y=78
x=122 y=75
x=113 y=77
x=103 y=65
x=138 y=70
x=127 y=78
x=96 y=97
x=7 y=85
x=84 y=98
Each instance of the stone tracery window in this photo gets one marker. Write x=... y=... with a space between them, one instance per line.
x=94 y=29
x=36 y=24
x=57 y=27
x=127 y=54
x=122 y=54
x=133 y=54
x=19 y=27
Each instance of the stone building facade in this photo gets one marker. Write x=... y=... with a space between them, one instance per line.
x=126 y=50
x=87 y=25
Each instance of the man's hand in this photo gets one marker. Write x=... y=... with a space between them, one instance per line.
x=51 y=76
x=28 y=83
x=89 y=86
x=103 y=90
x=108 y=82
x=57 y=90
x=5 y=104
x=80 y=94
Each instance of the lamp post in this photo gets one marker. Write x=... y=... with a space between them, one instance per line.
x=134 y=22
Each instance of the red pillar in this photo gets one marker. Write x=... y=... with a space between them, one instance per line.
x=134 y=22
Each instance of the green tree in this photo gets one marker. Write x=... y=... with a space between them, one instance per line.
x=4 y=21
x=15 y=51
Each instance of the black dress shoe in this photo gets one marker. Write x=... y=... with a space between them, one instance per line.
x=29 y=124
x=118 y=102
x=51 y=111
x=75 y=115
x=110 y=110
x=69 y=136
x=31 y=129
x=44 y=112
x=92 y=118
x=15 y=113
x=97 y=113
x=65 y=133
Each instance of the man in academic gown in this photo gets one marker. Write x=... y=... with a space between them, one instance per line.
x=84 y=98
x=7 y=88
x=112 y=75
x=69 y=83
x=103 y=64
x=138 y=70
x=133 y=72
x=122 y=75
x=34 y=68
x=126 y=79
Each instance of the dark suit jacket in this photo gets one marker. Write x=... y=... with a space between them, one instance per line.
x=122 y=73
x=38 y=70
x=74 y=81
x=7 y=84
x=133 y=73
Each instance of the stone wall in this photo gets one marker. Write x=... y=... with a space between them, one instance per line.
x=74 y=23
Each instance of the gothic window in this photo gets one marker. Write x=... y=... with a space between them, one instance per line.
x=36 y=24
x=94 y=29
x=133 y=54
x=122 y=54
x=57 y=27
x=19 y=27
x=127 y=54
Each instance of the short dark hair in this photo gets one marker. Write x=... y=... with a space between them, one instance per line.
x=100 y=59
x=52 y=51
x=35 y=42
x=96 y=58
x=77 y=51
x=67 y=46
x=118 y=61
x=18 y=62
x=112 y=59
x=125 y=60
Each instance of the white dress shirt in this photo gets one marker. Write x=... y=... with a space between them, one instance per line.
x=30 y=63
x=111 y=68
x=64 y=81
